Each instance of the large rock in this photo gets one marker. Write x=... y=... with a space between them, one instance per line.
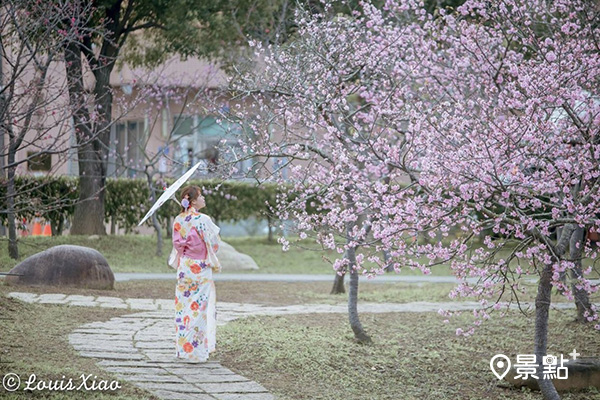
x=583 y=373
x=64 y=265
x=232 y=260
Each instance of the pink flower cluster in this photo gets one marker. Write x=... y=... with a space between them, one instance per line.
x=469 y=139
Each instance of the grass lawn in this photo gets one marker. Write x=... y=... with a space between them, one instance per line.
x=34 y=340
x=137 y=253
x=414 y=356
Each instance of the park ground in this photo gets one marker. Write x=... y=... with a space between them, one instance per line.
x=299 y=356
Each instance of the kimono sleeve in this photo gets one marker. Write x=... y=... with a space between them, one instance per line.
x=179 y=238
x=211 y=236
x=212 y=241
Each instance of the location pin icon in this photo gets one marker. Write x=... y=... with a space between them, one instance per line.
x=500 y=365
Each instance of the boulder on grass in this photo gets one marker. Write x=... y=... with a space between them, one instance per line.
x=64 y=265
x=584 y=372
x=232 y=260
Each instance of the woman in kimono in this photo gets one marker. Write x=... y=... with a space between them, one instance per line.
x=195 y=241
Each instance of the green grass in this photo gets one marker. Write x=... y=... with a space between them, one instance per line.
x=137 y=253
x=413 y=356
x=272 y=260
x=128 y=253
x=34 y=340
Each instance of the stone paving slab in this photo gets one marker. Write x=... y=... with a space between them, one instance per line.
x=76 y=297
x=170 y=386
x=113 y=305
x=153 y=378
x=214 y=378
x=110 y=356
x=169 y=395
x=51 y=296
x=26 y=297
x=106 y=299
x=232 y=387
x=244 y=396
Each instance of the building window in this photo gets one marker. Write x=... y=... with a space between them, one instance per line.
x=127 y=144
x=39 y=162
x=205 y=138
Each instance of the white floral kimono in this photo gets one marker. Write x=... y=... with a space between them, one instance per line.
x=196 y=241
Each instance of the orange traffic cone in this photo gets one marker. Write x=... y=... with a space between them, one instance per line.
x=47 y=230
x=37 y=229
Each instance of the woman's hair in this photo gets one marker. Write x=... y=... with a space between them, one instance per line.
x=191 y=193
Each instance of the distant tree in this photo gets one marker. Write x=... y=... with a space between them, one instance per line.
x=143 y=33
x=33 y=95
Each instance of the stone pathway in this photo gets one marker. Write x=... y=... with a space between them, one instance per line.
x=139 y=347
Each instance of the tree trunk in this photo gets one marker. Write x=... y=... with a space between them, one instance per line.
x=159 y=238
x=3 y=130
x=88 y=218
x=13 y=247
x=168 y=228
x=542 y=307
x=57 y=226
x=359 y=332
x=388 y=265
x=270 y=227
x=338 y=284
x=155 y=224
x=93 y=136
x=582 y=299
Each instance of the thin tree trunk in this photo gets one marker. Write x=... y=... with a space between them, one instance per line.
x=582 y=299
x=56 y=226
x=338 y=284
x=168 y=228
x=3 y=130
x=387 y=260
x=155 y=224
x=13 y=247
x=270 y=227
x=159 y=238
x=350 y=255
x=357 y=328
x=542 y=307
x=60 y=227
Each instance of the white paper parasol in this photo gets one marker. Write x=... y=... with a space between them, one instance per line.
x=170 y=192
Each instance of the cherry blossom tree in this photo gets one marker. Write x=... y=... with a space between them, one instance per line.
x=479 y=122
